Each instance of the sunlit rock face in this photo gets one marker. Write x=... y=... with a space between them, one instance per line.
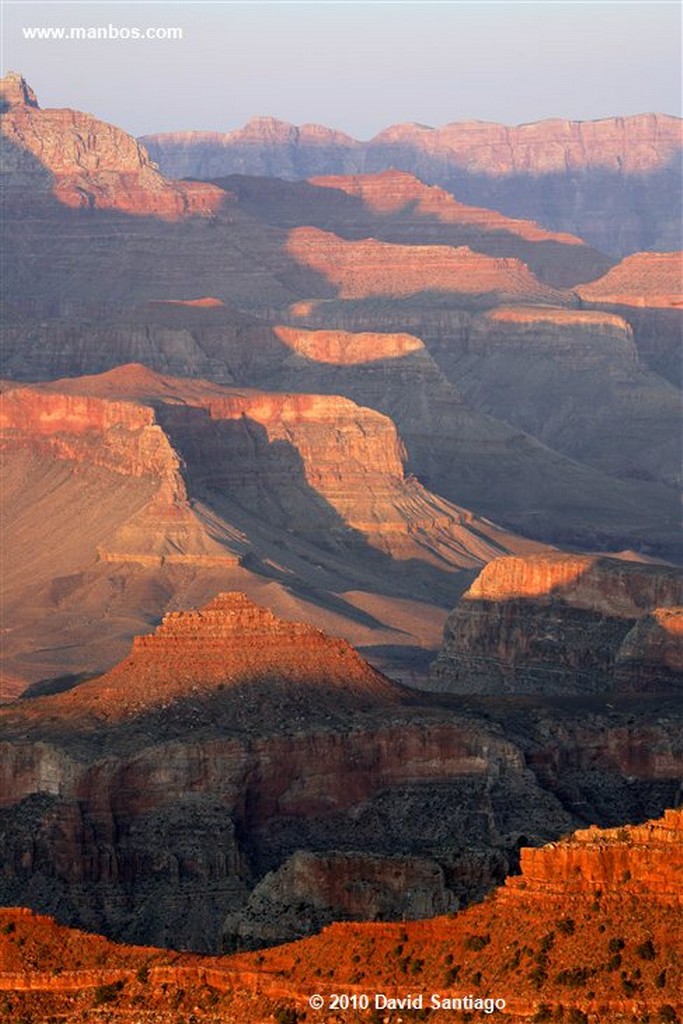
x=86 y=163
x=563 y=624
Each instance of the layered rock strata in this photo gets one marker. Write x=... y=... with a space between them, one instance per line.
x=561 y=624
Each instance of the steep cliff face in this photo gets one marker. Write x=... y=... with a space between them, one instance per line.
x=556 y=172
x=85 y=163
x=556 y=624
x=650 y=658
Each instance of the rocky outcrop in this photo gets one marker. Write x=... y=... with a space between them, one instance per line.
x=370 y=268
x=311 y=890
x=85 y=163
x=556 y=172
x=643 y=860
x=240 y=648
x=650 y=658
x=558 y=624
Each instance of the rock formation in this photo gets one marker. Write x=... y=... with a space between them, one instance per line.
x=85 y=163
x=558 y=624
x=590 y=928
x=573 y=379
x=556 y=172
x=184 y=487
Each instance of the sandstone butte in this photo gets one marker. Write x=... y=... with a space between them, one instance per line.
x=561 y=623
x=86 y=163
x=256 y=661
x=590 y=931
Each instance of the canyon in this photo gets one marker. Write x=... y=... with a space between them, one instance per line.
x=208 y=791
x=342 y=610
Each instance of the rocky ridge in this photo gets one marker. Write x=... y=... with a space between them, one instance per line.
x=555 y=172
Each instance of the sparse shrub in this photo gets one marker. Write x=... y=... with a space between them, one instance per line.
x=476 y=978
x=416 y=966
x=660 y=980
x=543 y=1014
x=477 y=942
x=614 y=963
x=142 y=974
x=9 y=928
x=538 y=976
x=451 y=975
x=667 y=1014
x=547 y=942
x=566 y=925
x=574 y=977
x=616 y=945
x=646 y=950
x=107 y=993
x=577 y=1016
x=286 y=1015
x=448 y=959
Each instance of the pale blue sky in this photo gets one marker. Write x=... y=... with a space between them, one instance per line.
x=358 y=67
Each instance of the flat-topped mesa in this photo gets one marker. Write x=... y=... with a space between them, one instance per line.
x=636 y=859
x=555 y=624
x=650 y=279
x=83 y=162
x=362 y=269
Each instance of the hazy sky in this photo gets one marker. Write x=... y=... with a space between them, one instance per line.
x=358 y=67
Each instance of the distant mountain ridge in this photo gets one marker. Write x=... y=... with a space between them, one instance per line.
x=614 y=182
